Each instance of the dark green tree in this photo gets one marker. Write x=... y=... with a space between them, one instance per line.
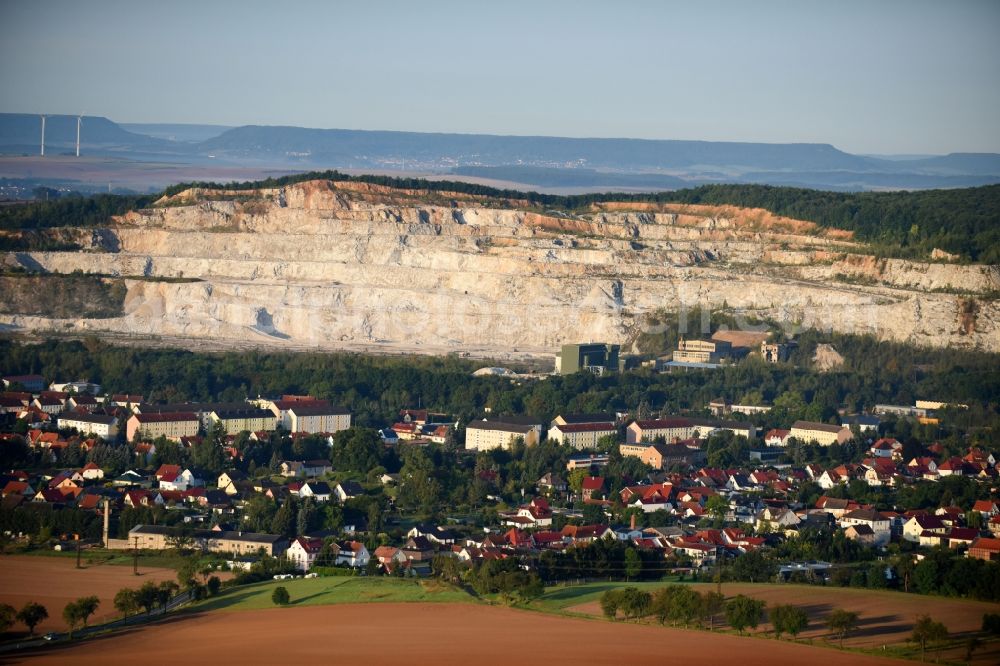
x=31 y=615
x=743 y=612
x=280 y=596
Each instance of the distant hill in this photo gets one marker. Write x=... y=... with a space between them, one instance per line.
x=534 y=161
x=575 y=178
x=368 y=148
x=21 y=133
x=182 y=132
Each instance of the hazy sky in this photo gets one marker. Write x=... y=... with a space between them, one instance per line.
x=904 y=76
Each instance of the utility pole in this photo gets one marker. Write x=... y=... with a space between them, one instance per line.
x=135 y=557
x=78 y=551
x=718 y=584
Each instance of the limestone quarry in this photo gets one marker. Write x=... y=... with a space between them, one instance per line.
x=336 y=265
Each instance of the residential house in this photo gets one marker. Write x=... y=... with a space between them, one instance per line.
x=590 y=486
x=305 y=468
x=249 y=419
x=228 y=480
x=648 y=430
x=552 y=483
x=353 y=554
x=777 y=437
x=82 y=402
x=49 y=405
x=961 y=537
x=987 y=508
x=32 y=383
x=984 y=548
x=879 y=524
x=587 y=461
x=171 y=479
x=92 y=472
x=172 y=425
x=776 y=519
x=347 y=490
x=861 y=533
x=486 y=434
x=318 y=490
x=536 y=513
x=433 y=533
x=917 y=525
x=104 y=426
x=830 y=479
x=821 y=433
x=886 y=447
x=866 y=423
x=581 y=435
x=321 y=417
x=125 y=400
x=665 y=456
x=303 y=551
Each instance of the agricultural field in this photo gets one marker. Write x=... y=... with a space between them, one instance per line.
x=440 y=633
x=886 y=618
x=55 y=581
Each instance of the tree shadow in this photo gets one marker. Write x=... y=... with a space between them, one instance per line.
x=226 y=600
x=301 y=600
x=571 y=593
x=875 y=626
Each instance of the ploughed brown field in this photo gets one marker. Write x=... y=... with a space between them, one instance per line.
x=55 y=581
x=440 y=634
x=884 y=618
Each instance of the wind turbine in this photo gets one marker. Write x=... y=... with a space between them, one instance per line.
x=79 y=121
x=43 y=135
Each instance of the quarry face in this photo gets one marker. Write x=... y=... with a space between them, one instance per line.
x=350 y=266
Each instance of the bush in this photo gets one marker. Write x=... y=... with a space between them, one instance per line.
x=213 y=585
x=280 y=596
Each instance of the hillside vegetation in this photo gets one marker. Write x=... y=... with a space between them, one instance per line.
x=62 y=296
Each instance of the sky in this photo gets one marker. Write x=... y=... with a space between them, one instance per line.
x=874 y=77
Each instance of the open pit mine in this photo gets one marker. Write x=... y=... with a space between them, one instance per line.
x=351 y=266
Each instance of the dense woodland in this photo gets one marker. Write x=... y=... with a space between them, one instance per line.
x=902 y=224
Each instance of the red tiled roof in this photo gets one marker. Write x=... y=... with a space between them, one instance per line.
x=984 y=543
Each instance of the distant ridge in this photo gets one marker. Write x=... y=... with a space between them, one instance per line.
x=591 y=164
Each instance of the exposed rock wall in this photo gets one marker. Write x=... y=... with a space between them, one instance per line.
x=347 y=266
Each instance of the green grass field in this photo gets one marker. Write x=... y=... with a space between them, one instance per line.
x=335 y=590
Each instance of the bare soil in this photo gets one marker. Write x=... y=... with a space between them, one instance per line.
x=885 y=618
x=440 y=634
x=55 y=581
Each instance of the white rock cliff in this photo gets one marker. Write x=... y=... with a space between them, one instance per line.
x=348 y=266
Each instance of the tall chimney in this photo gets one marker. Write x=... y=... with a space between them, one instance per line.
x=107 y=520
